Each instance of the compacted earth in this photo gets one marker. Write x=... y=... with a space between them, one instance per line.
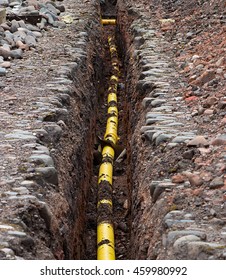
x=170 y=184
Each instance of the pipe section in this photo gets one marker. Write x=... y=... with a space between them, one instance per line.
x=108 y=21
x=105 y=227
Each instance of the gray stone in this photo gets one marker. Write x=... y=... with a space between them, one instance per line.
x=181 y=139
x=189 y=36
x=30 y=41
x=145 y=86
x=156 y=134
x=19 y=36
x=4 y=3
x=43 y=23
x=14 y=26
x=173 y=214
x=41 y=134
x=158 y=115
x=52 y=9
x=160 y=188
x=9 y=252
x=32 y=27
x=6 y=227
x=10 y=193
x=28 y=184
x=56 y=102
x=17 y=54
x=157 y=119
x=151 y=73
x=180 y=242
x=21 y=134
x=42 y=159
x=54 y=131
x=147 y=101
x=17 y=233
x=40 y=149
x=65 y=98
x=171 y=223
x=158 y=94
x=163 y=138
x=171 y=123
x=45 y=213
x=216 y=183
x=21 y=190
x=22 y=24
x=165 y=109
x=2 y=71
x=157 y=102
x=37 y=34
x=49 y=174
x=152 y=186
x=23 y=197
x=173 y=235
x=188 y=154
x=149 y=134
x=15 y=3
x=197 y=247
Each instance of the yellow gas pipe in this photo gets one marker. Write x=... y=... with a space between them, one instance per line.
x=108 y=21
x=105 y=228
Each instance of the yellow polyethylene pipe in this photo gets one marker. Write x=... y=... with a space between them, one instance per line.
x=108 y=21
x=111 y=134
x=113 y=111
x=114 y=78
x=104 y=201
x=105 y=229
x=112 y=97
x=108 y=151
x=105 y=242
x=105 y=172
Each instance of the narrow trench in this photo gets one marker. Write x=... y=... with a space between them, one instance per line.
x=120 y=187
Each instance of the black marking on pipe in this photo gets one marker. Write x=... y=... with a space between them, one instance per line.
x=104 y=175
x=105 y=242
x=113 y=114
x=107 y=159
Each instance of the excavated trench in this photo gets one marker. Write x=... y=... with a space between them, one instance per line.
x=80 y=182
x=79 y=164
x=120 y=195
x=59 y=219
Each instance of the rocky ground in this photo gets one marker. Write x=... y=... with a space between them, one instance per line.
x=176 y=64
x=173 y=113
